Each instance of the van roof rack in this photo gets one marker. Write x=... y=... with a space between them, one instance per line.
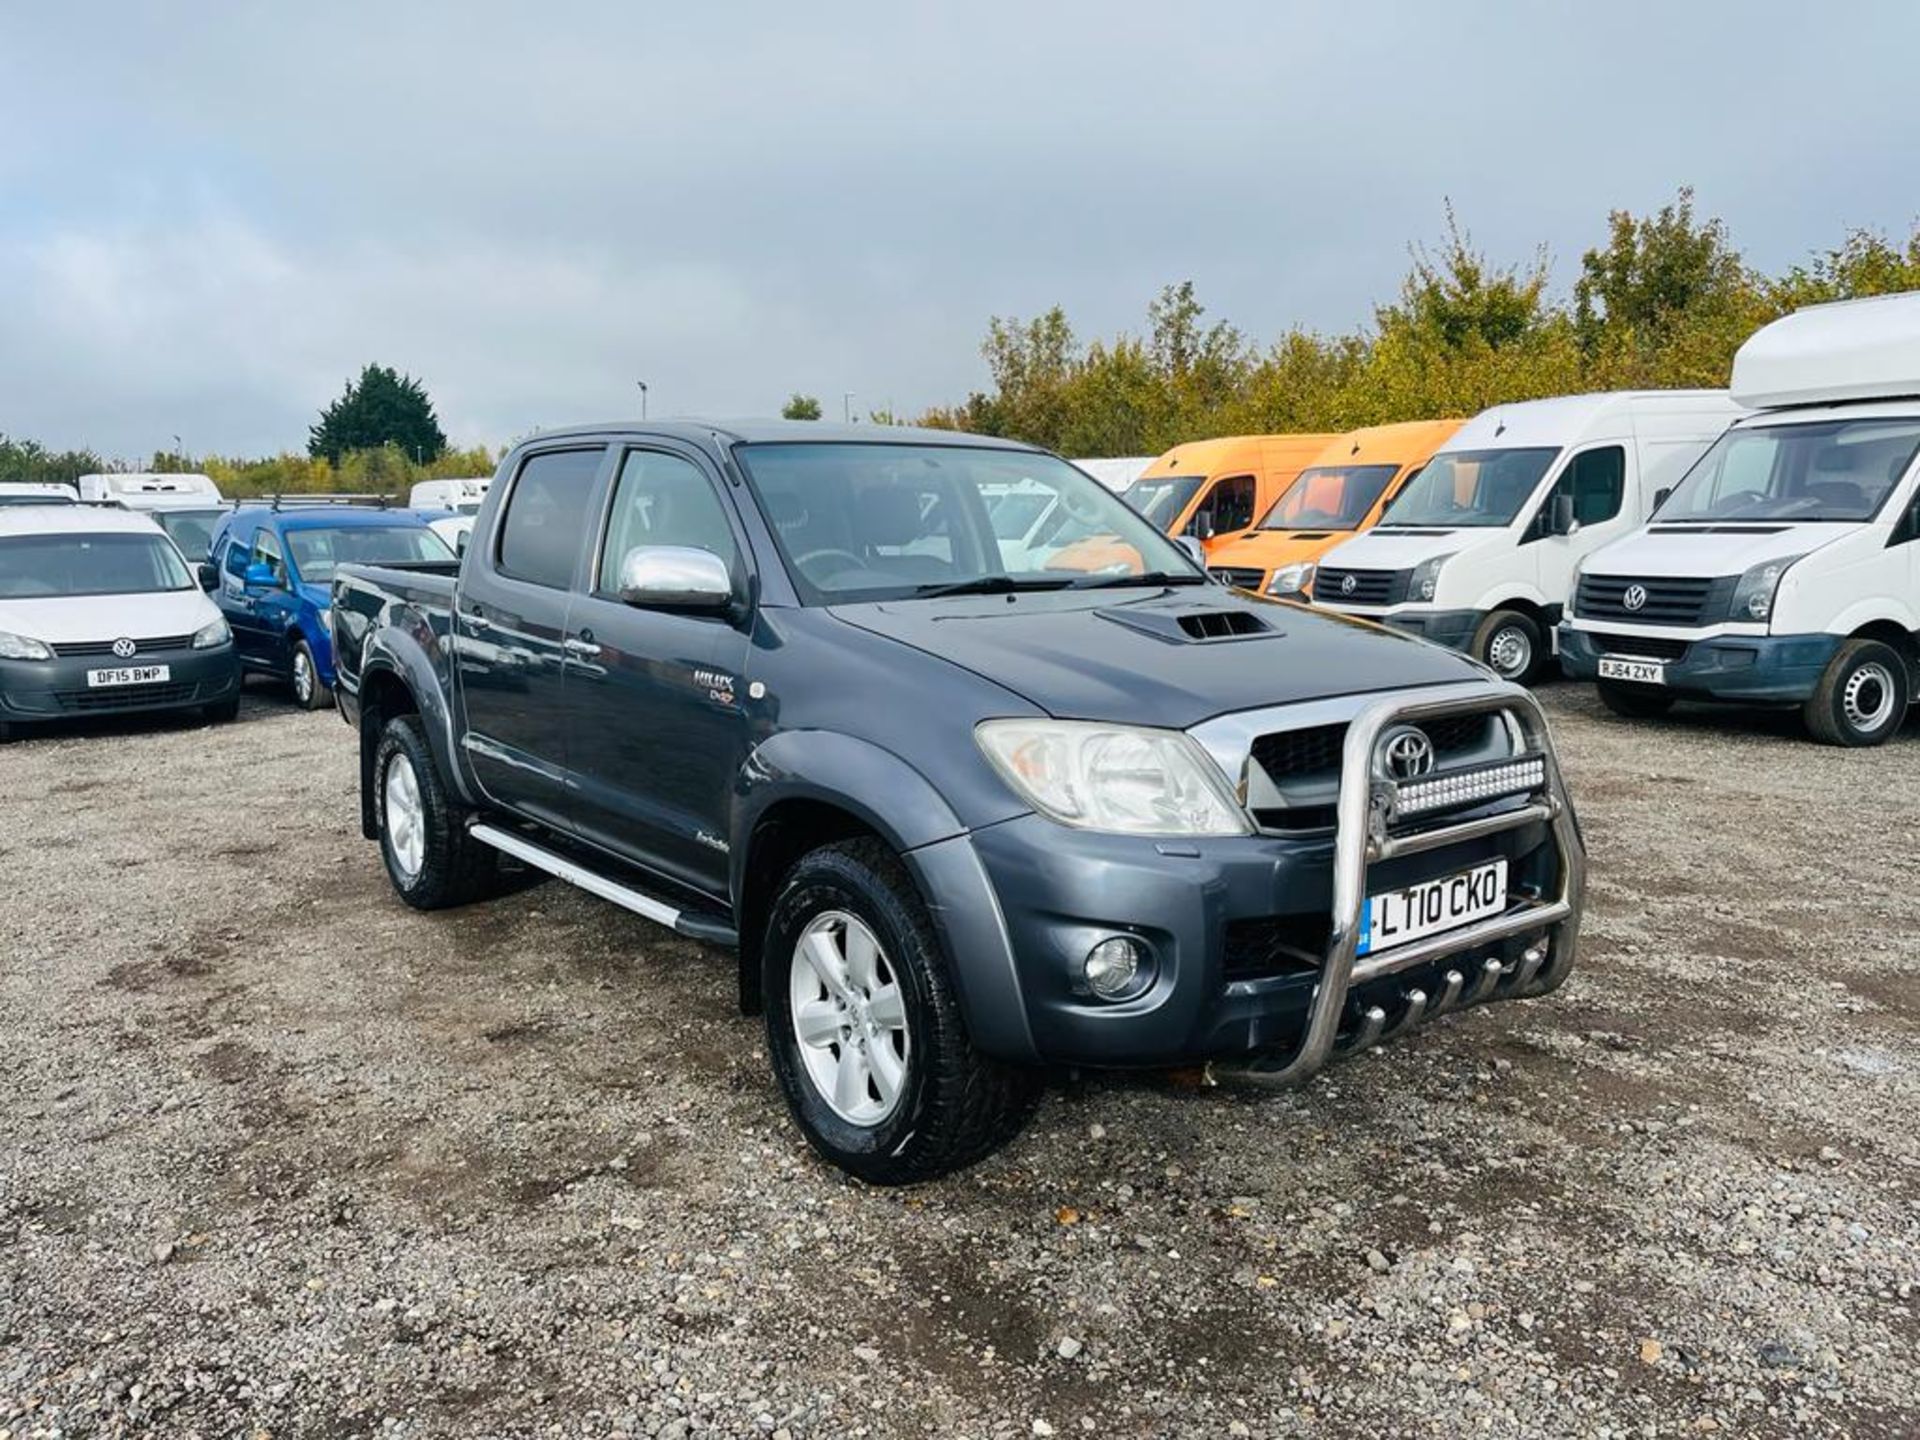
x=282 y=502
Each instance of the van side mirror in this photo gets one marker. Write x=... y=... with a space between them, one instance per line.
x=461 y=541
x=208 y=577
x=1660 y=496
x=1191 y=548
x=1202 y=527
x=675 y=577
x=1561 y=522
x=260 y=576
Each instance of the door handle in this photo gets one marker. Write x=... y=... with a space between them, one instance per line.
x=580 y=647
x=477 y=620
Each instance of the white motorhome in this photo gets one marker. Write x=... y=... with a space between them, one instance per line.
x=1478 y=551
x=1785 y=567
x=32 y=492
x=142 y=490
x=463 y=497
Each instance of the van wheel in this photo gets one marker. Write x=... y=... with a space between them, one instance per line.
x=865 y=1031
x=431 y=859
x=1636 y=702
x=1510 y=644
x=1862 y=695
x=308 y=689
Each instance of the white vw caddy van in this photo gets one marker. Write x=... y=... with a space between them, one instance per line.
x=1478 y=551
x=1784 y=568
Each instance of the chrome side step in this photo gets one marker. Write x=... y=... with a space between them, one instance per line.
x=689 y=923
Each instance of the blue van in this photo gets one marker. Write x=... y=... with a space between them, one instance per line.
x=275 y=563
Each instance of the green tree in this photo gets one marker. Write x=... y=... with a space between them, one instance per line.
x=1865 y=263
x=382 y=407
x=30 y=462
x=801 y=407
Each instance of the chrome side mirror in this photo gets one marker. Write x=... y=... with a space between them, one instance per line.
x=675 y=577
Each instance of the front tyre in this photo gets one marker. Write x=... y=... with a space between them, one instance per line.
x=1635 y=702
x=865 y=1030
x=309 y=691
x=1862 y=695
x=431 y=860
x=1510 y=644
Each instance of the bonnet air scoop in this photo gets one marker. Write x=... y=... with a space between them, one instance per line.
x=1188 y=624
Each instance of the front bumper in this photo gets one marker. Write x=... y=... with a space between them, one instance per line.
x=1254 y=938
x=1451 y=628
x=57 y=689
x=1750 y=668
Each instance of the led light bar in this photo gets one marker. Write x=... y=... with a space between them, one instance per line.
x=1470 y=787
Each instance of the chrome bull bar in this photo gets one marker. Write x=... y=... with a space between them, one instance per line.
x=1359 y=843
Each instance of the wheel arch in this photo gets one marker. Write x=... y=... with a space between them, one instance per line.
x=397 y=678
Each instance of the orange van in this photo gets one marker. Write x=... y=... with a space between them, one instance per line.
x=1343 y=491
x=1209 y=489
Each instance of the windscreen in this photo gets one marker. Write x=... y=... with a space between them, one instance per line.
x=1834 y=470
x=1163 y=499
x=888 y=521
x=1330 y=497
x=33 y=566
x=318 y=550
x=192 y=530
x=1471 y=488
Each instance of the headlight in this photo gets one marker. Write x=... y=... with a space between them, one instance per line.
x=1426 y=578
x=213 y=633
x=1120 y=778
x=22 y=647
x=1753 y=596
x=1291 y=579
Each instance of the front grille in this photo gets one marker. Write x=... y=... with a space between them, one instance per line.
x=1287 y=753
x=1239 y=578
x=73 y=649
x=1304 y=765
x=1370 y=587
x=1671 y=600
x=126 y=697
x=1274 y=945
x=1649 y=647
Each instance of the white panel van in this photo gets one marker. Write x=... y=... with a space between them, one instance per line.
x=1478 y=551
x=1784 y=568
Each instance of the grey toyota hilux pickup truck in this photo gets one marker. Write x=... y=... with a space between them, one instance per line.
x=834 y=698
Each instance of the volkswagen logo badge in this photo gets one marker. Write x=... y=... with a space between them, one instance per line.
x=1634 y=597
x=124 y=648
x=1406 y=753
x=1349 y=583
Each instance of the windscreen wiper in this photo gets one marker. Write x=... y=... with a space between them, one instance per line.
x=988 y=585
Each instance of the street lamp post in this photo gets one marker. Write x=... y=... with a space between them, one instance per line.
x=179 y=451
x=846 y=406
x=643 y=398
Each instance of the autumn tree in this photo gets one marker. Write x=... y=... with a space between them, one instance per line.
x=801 y=407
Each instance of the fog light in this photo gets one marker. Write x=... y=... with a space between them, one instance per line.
x=1112 y=966
x=1534 y=953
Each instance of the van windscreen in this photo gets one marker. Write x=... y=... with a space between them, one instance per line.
x=1329 y=497
x=1163 y=498
x=1465 y=489
x=39 y=566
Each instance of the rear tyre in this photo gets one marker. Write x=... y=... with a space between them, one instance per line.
x=1636 y=702
x=1510 y=644
x=865 y=1030
x=309 y=691
x=1862 y=695
x=431 y=860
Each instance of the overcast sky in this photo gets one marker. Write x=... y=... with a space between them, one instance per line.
x=212 y=215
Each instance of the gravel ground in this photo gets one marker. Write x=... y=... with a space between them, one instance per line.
x=281 y=1157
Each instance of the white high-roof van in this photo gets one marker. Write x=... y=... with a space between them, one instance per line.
x=1784 y=568
x=1478 y=551
x=141 y=490
x=34 y=492
x=460 y=496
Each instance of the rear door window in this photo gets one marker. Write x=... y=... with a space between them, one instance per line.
x=547 y=518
